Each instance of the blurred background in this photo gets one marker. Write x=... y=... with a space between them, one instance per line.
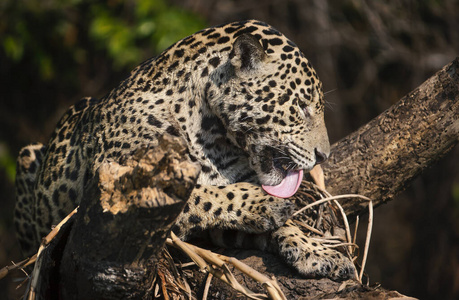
x=368 y=54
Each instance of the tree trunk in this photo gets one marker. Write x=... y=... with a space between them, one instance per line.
x=121 y=228
x=113 y=248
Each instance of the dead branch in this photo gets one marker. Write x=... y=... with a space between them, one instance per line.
x=381 y=158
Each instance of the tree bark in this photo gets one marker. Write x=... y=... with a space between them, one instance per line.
x=120 y=229
x=381 y=158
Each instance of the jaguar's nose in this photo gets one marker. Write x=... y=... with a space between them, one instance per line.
x=320 y=156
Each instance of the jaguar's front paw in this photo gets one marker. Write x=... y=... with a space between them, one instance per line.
x=310 y=258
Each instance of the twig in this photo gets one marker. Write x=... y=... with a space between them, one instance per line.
x=357 y=219
x=175 y=241
x=22 y=264
x=44 y=243
x=181 y=281
x=207 y=285
x=163 y=284
x=330 y=199
x=310 y=228
x=270 y=284
x=217 y=265
x=367 y=240
x=224 y=273
x=346 y=224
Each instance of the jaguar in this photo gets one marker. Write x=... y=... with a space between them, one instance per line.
x=250 y=108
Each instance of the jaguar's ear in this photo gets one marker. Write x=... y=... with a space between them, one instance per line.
x=247 y=53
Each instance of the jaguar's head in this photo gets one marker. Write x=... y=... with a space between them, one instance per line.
x=273 y=109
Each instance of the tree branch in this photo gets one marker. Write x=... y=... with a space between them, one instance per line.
x=382 y=157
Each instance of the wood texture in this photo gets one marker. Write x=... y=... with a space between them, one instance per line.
x=381 y=158
x=121 y=228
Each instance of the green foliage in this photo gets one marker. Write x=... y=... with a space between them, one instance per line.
x=50 y=51
x=14 y=47
x=150 y=23
x=7 y=162
x=45 y=33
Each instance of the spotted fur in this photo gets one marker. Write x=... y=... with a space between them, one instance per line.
x=249 y=106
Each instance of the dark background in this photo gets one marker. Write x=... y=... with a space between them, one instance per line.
x=367 y=53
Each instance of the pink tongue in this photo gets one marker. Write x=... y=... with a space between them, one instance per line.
x=287 y=187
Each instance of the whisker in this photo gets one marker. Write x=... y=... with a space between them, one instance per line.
x=330 y=91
